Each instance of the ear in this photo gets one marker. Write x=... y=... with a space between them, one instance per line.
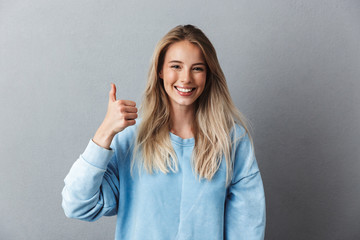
x=161 y=74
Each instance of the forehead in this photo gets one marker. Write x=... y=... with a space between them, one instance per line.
x=184 y=51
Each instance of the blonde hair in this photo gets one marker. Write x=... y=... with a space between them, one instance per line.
x=215 y=114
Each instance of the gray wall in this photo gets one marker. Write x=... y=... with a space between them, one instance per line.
x=293 y=68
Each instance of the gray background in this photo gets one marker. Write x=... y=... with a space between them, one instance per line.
x=293 y=68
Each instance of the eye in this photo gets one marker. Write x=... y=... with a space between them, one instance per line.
x=175 y=66
x=198 y=69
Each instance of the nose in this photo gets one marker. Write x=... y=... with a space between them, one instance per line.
x=186 y=76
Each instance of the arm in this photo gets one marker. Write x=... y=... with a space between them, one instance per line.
x=245 y=210
x=92 y=185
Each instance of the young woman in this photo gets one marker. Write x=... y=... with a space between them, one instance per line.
x=187 y=170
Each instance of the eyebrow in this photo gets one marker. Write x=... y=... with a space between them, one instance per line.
x=177 y=61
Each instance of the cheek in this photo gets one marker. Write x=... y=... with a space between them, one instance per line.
x=202 y=80
x=170 y=76
x=168 y=80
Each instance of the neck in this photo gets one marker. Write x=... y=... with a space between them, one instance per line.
x=182 y=121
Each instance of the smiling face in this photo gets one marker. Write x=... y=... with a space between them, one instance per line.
x=184 y=74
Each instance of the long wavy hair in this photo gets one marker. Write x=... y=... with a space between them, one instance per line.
x=215 y=114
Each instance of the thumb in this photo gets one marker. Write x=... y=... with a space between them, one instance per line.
x=112 y=93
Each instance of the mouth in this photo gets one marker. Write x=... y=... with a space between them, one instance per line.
x=184 y=90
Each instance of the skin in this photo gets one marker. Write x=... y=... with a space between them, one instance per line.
x=184 y=67
x=120 y=114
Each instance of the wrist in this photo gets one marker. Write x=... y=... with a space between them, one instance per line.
x=103 y=138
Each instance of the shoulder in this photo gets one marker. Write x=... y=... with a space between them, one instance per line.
x=239 y=133
x=241 y=141
x=244 y=159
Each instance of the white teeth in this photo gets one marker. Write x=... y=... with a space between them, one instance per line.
x=184 y=89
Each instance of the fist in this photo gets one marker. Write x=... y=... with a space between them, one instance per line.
x=120 y=114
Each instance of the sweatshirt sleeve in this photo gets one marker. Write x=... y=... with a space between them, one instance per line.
x=92 y=185
x=245 y=211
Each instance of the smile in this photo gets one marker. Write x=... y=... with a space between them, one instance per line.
x=185 y=90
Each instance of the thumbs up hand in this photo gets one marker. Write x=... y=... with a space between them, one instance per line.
x=120 y=114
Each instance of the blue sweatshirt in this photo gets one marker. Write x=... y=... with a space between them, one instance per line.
x=167 y=206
